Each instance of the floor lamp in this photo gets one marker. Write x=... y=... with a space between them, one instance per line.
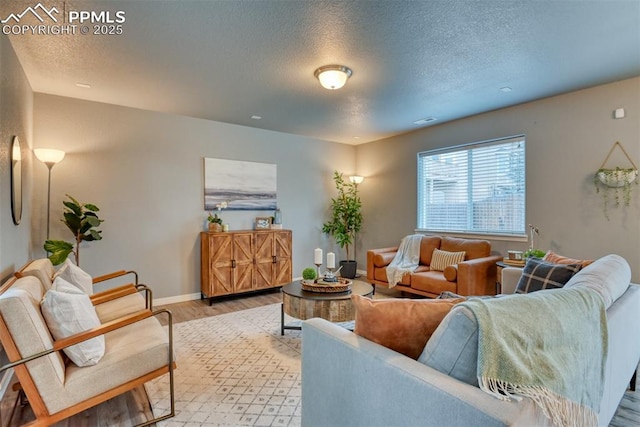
x=49 y=157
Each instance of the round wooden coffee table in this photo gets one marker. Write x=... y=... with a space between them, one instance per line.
x=334 y=307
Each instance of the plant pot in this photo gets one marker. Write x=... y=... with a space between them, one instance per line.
x=348 y=269
x=215 y=227
x=617 y=178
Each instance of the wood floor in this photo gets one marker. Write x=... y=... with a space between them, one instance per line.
x=133 y=407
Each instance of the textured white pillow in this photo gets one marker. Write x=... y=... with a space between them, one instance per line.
x=76 y=276
x=443 y=259
x=68 y=311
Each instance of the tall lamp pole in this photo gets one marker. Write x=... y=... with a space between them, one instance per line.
x=50 y=158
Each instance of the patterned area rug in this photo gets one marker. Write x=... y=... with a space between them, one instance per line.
x=234 y=369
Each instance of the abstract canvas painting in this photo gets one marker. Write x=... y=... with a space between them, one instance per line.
x=245 y=186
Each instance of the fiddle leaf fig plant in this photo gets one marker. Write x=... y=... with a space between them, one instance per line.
x=346 y=213
x=82 y=220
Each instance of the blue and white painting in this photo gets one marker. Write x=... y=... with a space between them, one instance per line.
x=245 y=186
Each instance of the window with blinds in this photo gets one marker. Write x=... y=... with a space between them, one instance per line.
x=476 y=188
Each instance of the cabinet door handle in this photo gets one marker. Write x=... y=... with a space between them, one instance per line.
x=233 y=263
x=273 y=259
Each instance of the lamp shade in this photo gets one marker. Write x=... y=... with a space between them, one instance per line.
x=49 y=155
x=333 y=77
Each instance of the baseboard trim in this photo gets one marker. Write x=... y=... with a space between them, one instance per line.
x=177 y=298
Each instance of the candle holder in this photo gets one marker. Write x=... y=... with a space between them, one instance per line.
x=318 y=270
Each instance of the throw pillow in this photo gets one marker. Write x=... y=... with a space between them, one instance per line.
x=442 y=259
x=538 y=274
x=554 y=258
x=76 y=276
x=68 y=311
x=403 y=325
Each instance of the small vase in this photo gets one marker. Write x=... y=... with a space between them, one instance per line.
x=215 y=227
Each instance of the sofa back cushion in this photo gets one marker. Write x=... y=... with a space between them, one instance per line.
x=453 y=347
x=427 y=245
x=609 y=276
x=42 y=269
x=20 y=310
x=473 y=248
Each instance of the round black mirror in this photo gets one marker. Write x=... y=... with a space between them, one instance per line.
x=16 y=180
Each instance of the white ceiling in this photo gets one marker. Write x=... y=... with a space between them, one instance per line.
x=229 y=60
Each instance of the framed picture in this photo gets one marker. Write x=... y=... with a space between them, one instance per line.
x=244 y=186
x=263 y=222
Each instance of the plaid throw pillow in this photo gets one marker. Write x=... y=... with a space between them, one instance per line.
x=538 y=275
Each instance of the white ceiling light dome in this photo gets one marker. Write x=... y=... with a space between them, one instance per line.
x=333 y=77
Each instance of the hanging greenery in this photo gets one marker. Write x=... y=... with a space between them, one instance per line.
x=617 y=181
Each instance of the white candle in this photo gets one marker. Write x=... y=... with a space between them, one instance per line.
x=331 y=260
x=317 y=256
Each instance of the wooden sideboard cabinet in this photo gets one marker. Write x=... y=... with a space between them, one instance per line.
x=236 y=262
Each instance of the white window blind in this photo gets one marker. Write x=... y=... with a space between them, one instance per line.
x=474 y=188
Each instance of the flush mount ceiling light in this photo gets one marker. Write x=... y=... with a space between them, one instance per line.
x=333 y=77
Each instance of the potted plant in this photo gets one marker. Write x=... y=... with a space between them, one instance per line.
x=215 y=222
x=532 y=252
x=309 y=275
x=346 y=221
x=82 y=220
x=619 y=181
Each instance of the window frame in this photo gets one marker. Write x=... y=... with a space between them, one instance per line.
x=511 y=235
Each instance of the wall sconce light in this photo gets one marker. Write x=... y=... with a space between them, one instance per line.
x=49 y=157
x=333 y=77
x=356 y=179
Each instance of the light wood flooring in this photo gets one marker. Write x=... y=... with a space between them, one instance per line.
x=133 y=407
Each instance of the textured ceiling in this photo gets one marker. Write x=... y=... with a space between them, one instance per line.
x=229 y=60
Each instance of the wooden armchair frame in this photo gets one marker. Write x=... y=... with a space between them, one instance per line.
x=43 y=417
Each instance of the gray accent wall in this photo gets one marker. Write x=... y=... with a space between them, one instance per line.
x=145 y=172
x=568 y=138
x=16 y=118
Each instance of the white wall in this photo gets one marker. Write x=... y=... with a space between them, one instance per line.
x=145 y=172
x=16 y=118
x=568 y=137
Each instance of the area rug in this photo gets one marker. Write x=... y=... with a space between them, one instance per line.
x=234 y=369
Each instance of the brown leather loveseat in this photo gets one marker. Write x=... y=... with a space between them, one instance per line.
x=476 y=275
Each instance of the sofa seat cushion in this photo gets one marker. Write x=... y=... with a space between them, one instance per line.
x=609 y=276
x=473 y=248
x=433 y=282
x=120 y=307
x=403 y=325
x=383 y=259
x=131 y=352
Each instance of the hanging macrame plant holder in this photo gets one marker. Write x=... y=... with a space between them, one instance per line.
x=619 y=179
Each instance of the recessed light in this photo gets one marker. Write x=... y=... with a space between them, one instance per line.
x=425 y=121
x=83 y=85
x=356 y=137
x=506 y=89
x=256 y=117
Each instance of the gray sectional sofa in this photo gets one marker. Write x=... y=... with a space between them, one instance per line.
x=348 y=380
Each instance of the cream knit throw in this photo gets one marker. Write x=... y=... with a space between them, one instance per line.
x=548 y=345
x=406 y=260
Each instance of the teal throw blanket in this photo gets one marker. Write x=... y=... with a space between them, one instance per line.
x=550 y=346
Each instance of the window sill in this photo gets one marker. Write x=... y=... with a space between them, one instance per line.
x=466 y=235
